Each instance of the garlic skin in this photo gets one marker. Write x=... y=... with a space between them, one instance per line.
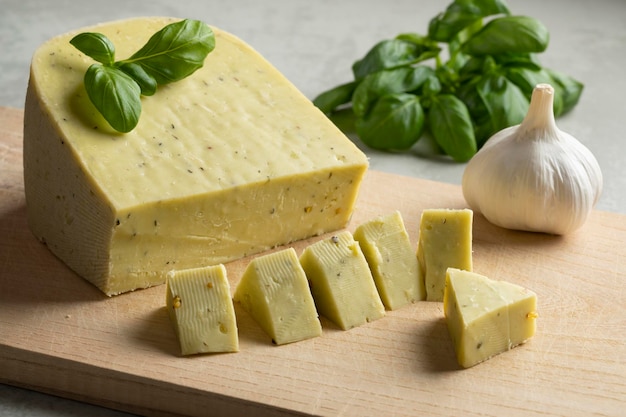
x=533 y=176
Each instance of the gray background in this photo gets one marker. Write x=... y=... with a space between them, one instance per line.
x=314 y=44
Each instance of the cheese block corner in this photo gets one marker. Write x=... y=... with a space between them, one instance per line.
x=341 y=282
x=274 y=290
x=486 y=317
x=228 y=162
x=445 y=241
x=394 y=265
x=201 y=310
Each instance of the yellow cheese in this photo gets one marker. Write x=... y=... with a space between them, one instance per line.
x=387 y=248
x=201 y=309
x=275 y=292
x=486 y=317
x=341 y=282
x=228 y=162
x=445 y=240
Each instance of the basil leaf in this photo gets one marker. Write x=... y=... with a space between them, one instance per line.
x=448 y=77
x=395 y=122
x=505 y=104
x=451 y=126
x=176 y=51
x=507 y=63
x=570 y=89
x=432 y=86
x=468 y=94
x=461 y=14
x=487 y=7
x=527 y=79
x=96 y=46
x=527 y=60
x=146 y=82
x=335 y=97
x=391 y=53
x=398 y=80
x=116 y=96
x=472 y=67
x=426 y=46
x=509 y=34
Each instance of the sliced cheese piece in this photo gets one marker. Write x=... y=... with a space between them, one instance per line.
x=228 y=162
x=387 y=248
x=275 y=292
x=201 y=309
x=486 y=317
x=445 y=241
x=341 y=282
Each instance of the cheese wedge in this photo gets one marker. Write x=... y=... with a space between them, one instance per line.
x=387 y=248
x=341 y=282
x=445 y=241
x=201 y=309
x=486 y=317
x=228 y=162
x=275 y=292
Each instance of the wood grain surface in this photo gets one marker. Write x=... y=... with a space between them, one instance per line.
x=60 y=335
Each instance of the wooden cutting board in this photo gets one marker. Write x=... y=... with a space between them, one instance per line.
x=60 y=335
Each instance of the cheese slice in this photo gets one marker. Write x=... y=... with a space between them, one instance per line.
x=201 y=309
x=445 y=241
x=341 y=282
x=275 y=292
x=228 y=162
x=387 y=248
x=486 y=317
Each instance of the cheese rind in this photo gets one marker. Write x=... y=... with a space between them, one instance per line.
x=201 y=309
x=274 y=291
x=341 y=282
x=445 y=241
x=228 y=162
x=486 y=317
x=387 y=248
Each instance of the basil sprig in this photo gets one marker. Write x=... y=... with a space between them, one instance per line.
x=483 y=86
x=115 y=87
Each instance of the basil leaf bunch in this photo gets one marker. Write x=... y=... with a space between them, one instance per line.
x=403 y=89
x=115 y=87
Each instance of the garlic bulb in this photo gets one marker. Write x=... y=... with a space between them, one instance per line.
x=533 y=176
